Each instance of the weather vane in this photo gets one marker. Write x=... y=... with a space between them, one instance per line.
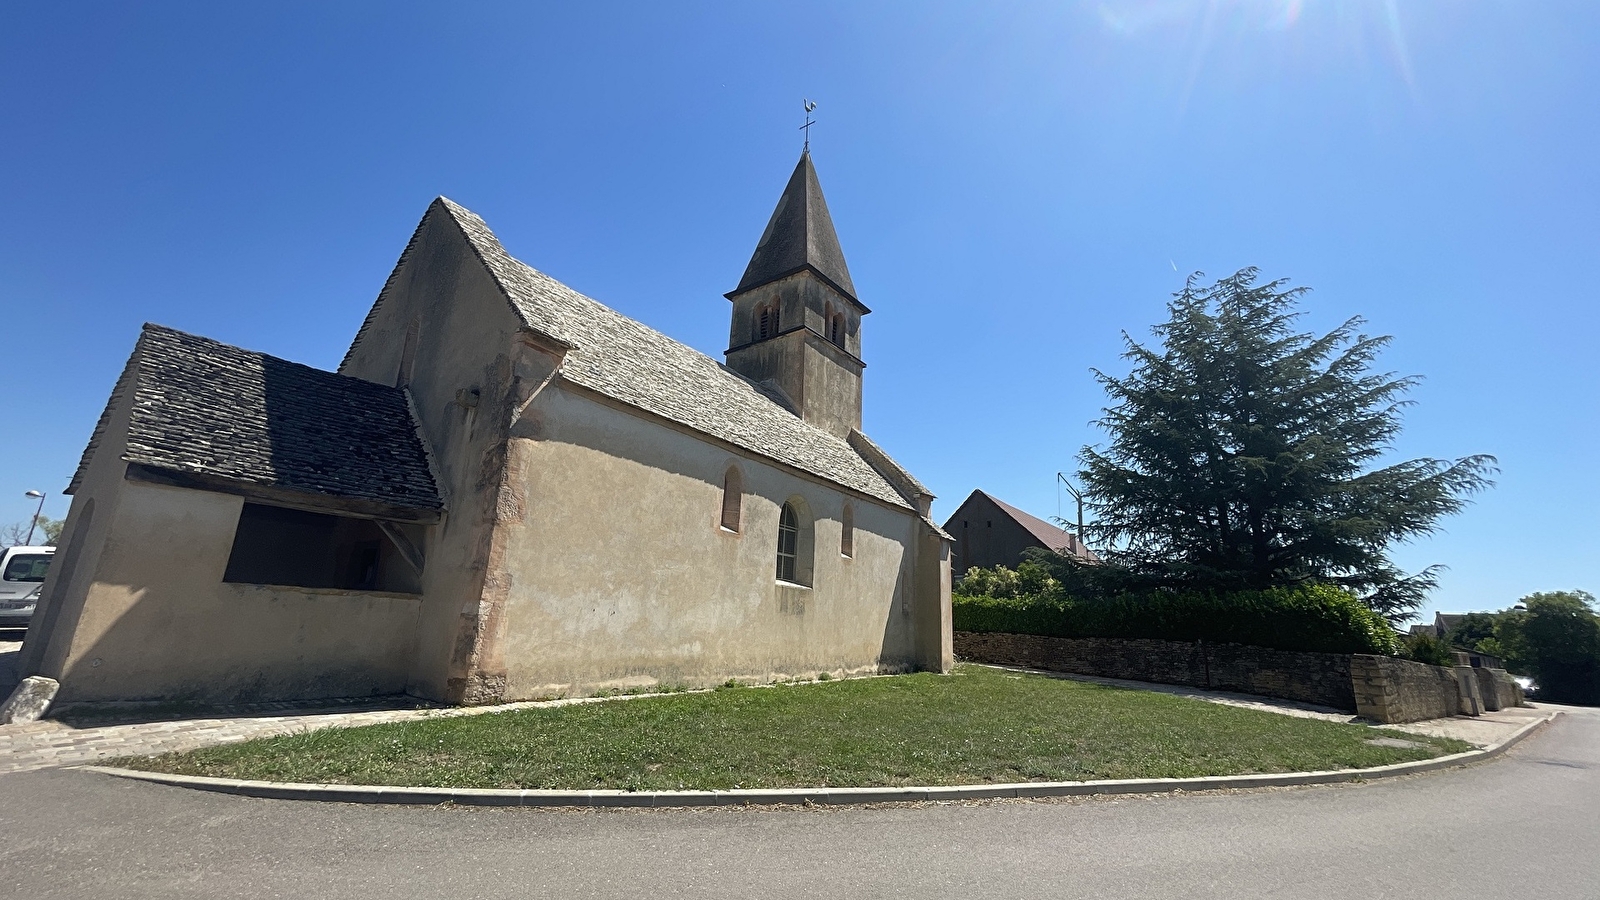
x=810 y=105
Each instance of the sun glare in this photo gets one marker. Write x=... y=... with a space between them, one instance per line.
x=1338 y=33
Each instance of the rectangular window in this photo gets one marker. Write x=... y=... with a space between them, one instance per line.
x=295 y=548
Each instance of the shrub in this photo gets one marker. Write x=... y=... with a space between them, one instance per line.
x=1030 y=579
x=1012 y=615
x=1425 y=648
x=1314 y=618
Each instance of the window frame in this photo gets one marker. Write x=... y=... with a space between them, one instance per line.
x=788 y=544
x=796 y=544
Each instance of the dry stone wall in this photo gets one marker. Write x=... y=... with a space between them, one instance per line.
x=1380 y=688
x=1323 y=679
x=1498 y=689
x=1399 y=690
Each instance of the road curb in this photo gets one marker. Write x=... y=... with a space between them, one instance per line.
x=354 y=793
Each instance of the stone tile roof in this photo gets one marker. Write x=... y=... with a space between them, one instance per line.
x=631 y=362
x=799 y=236
x=202 y=407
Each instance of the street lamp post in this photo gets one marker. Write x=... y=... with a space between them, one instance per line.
x=36 y=513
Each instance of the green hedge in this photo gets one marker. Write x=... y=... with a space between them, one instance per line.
x=1314 y=618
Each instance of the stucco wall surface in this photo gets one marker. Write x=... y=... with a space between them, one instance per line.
x=158 y=622
x=89 y=519
x=620 y=572
x=832 y=387
x=1319 y=678
x=466 y=385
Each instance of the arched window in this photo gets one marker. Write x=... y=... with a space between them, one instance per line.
x=732 y=498
x=766 y=323
x=836 y=329
x=788 y=544
x=796 y=543
x=847 y=531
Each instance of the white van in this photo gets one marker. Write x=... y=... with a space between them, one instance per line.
x=22 y=571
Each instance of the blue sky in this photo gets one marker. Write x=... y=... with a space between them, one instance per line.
x=1014 y=186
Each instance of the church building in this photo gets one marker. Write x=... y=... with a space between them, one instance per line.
x=506 y=491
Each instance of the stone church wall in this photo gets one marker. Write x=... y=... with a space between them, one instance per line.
x=464 y=386
x=621 y=574
x=157 y=622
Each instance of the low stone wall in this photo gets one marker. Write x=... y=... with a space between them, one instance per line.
x=1469 y=701
x=1380 y=688
x=1399 y=690
x=1323 y=679
x=1498 y=689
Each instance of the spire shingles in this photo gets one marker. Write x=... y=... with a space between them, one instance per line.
x=799 y=236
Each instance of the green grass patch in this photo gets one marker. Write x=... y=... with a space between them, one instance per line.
x=978 y=725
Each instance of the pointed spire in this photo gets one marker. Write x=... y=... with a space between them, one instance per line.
x=799 y=236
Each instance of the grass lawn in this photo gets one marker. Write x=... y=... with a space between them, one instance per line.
x=978 y=725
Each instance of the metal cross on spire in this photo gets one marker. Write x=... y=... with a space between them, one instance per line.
x=810 y=105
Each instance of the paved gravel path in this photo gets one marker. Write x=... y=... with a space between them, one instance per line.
x=1526 y=825
x=43 y=745
x=49 y=744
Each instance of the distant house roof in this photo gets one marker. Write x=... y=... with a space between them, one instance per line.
x=1445 y=622
x=625 y=360
x=204 y=408
x=1051 y=536
x=799 y=236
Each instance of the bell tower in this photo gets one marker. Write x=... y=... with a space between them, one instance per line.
x=796 y=319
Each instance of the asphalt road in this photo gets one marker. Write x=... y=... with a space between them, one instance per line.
x=1524 y=826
